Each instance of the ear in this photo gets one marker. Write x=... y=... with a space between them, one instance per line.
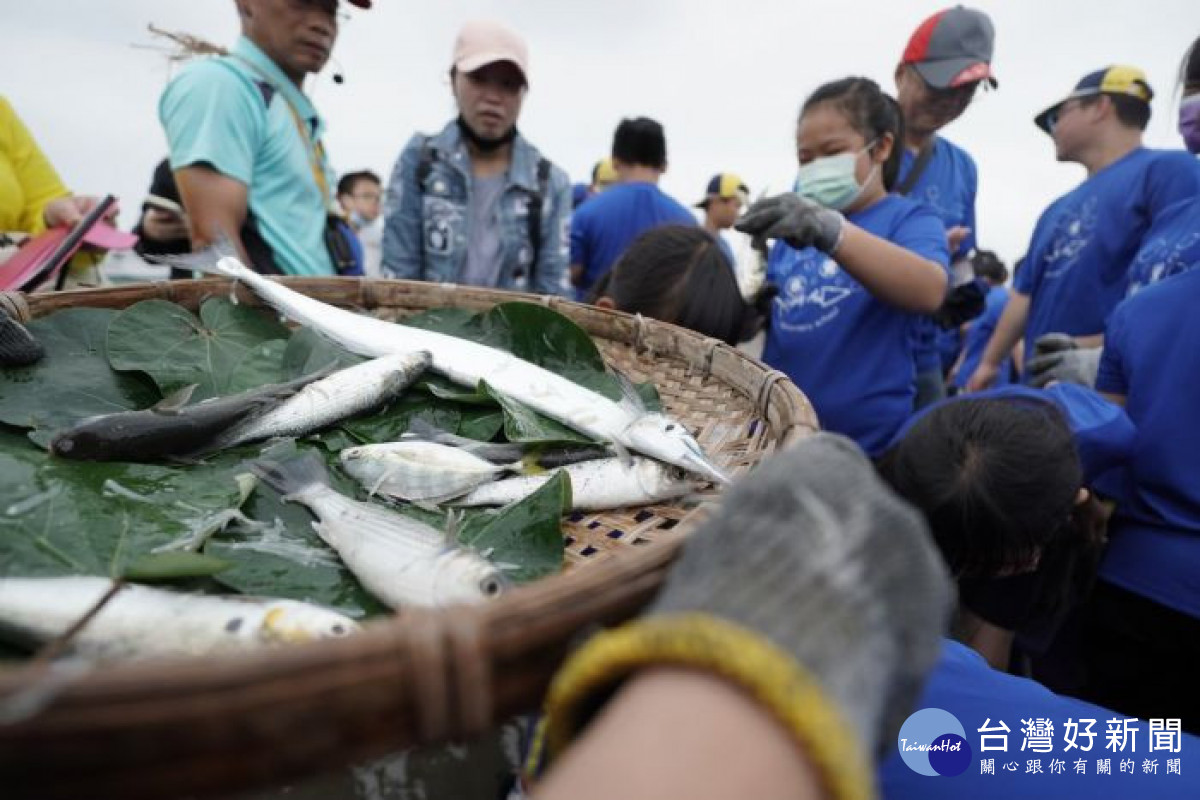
x=883 y=148
x=243 y=9
x=604 y=301
x=1082 y=496
x=899 y=74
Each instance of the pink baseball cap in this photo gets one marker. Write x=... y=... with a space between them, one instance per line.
x=483 y=42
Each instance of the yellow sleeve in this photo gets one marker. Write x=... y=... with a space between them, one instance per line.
x=35 y=175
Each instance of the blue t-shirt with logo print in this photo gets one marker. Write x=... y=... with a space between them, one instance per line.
x=1151 y=357
x=1038 y=761
x=848 y=351
x=1077 y=267
x=947 y=186
x=1170 y=247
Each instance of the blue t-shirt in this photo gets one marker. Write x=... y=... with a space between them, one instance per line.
x=947 y=186
x=232 y=114
x=1152 y=357
x=1077 y=266
x=849 y=352
x=604 y=226
x=979 y=331
x=1170 y=247
x=1043 y=762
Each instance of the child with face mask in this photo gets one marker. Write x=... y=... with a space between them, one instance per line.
x=854 y=265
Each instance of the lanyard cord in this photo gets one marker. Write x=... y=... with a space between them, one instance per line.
x=315 y=150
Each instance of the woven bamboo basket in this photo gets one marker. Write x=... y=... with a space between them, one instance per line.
x=209 y=726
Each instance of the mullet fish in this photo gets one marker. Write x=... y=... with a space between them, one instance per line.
x=417 y=470
x=400 y=560
x=344 y=394
x=142 y=622
x=170 y=428
x=626 y=425
x=595 y=485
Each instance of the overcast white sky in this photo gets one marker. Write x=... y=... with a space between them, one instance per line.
x=725 y=78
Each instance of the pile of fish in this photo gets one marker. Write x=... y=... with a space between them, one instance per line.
x=641 y=457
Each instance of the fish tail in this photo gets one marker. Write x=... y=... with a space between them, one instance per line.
x=220 y=258
x=292 y=475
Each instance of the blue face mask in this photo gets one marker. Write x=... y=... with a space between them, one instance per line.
x=830 y=181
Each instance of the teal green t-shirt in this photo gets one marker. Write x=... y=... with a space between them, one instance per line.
x=232 y=113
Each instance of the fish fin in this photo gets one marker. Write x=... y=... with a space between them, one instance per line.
x=293 y=475
x=176 y=400
x=373 y=489
x=429 y=505
x=454 y=525
x=630 y=399
x=207 y=260
x=622 y=453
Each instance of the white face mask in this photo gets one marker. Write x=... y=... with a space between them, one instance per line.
x=831 y=181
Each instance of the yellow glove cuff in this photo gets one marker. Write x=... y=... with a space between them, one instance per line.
x=772 y=677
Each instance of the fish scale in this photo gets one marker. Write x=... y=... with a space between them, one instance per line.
x=344 y=394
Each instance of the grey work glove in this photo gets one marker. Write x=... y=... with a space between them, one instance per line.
x=815 y=553
x=794 y=219
x=1058 y=357
x=18 y=348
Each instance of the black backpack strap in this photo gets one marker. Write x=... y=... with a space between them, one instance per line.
x=535 y=208
x=918 y=169
x=425 y=163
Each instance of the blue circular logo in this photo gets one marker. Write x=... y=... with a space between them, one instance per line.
x=932 y=742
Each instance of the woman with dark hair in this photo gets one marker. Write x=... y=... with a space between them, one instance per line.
x=678 y=274
x=855 y=265
x=1001 y=477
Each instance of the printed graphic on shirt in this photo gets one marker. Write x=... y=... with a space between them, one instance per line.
x=441 y=218
x=810 y=295
x=948 y=208
x=1161 y=258
x=1072 y=233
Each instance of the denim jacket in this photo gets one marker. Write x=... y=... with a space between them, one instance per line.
x=425 y=233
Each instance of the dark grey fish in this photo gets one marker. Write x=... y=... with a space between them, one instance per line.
x=171 y=428
x=536 y=457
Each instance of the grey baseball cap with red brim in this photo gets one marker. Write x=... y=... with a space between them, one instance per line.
x=953 y=48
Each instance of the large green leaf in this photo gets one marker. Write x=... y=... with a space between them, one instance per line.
x=173 y=347
x=308 y=351
x=525 y=538
x=74 y=380
x=523 y=424
x=62 y=517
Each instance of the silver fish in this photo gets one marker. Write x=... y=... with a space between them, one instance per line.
x=418 y=471
x=342 y=395
x=400 y=560
x=626 y=425
x=143 y=622
x=595 y=485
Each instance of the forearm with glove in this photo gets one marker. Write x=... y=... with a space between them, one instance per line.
x=1057 y=357
x=813 y=589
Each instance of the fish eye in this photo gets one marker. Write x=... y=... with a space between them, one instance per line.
x=338 y=629
x=490 y=587
x=670 y=427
